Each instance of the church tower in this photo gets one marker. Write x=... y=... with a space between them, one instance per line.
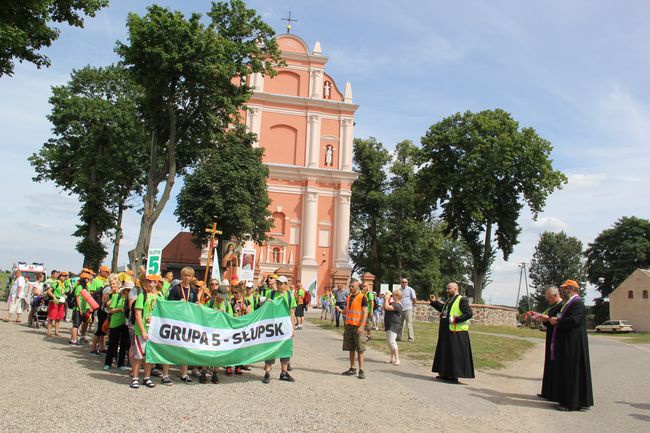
x=306 y=125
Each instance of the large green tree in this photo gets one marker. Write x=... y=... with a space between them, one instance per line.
x=412 y=243
x=617 y=252
x=228 y=187
x=557 y=258
x=193 y=80
x=25 y=27
x=369 y=204
x=96 y=152
x=481 y=169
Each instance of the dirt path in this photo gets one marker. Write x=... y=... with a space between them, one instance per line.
x=50 y=386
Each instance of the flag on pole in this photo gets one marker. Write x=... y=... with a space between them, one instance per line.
x=216 y=274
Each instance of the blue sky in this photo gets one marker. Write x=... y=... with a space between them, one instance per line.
x=576 y=71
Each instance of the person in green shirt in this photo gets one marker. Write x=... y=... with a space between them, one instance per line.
x=370 y=296
x=167 y=283
x=281 y=293
x=55 y=308
x=143 y=307
x=77 y=310
x=325 y=304
x=118 y=331
x=251 y=297
x=300 y=309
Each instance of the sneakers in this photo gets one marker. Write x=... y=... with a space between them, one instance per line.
x=166 y=381
x=135 y=383
x=238 y=371
x=203 y=378
x=286 y=377
x=350 y=372
x=362 y=375
x=73 y=343
x=155 y=372
x=106 y=367
x=267 y=378
x=95 y=353
x=124 y=368
x=186 y=379
x=228 y=371
x=215 y=378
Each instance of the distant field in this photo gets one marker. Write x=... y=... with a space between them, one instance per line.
x=4 y=277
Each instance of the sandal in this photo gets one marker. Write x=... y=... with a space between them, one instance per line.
x=135 y=383
x=396 y=364
x=148 y=383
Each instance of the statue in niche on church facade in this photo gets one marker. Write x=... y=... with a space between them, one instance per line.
x=329 y=155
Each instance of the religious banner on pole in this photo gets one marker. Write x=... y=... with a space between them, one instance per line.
x=154 y=259
x=181 y=333
x=216 y=273
x=247 y=269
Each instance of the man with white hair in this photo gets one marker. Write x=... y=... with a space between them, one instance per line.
x=18 y=292
x=554 y=300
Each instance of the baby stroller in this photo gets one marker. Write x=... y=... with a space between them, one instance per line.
x=38 y=314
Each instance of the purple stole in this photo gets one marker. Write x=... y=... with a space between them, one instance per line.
x=559 y=316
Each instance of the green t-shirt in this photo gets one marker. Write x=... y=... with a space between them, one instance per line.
x=57 y=290
x=252 y=301
x=371 y=297
x=225 y=306
x=285 y=296
x=117 y=319
x=77 y=294
x=146 y=307
x=165 y=288
x=97 y=284
x=301 y=296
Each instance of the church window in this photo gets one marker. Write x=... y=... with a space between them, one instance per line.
x=278 y=223
x=645 y=294
x=630 y=294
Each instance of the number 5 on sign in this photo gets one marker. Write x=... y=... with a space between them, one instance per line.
x=153 y=262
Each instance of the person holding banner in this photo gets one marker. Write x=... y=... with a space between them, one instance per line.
x=251 y=296
x=281 y=293
x=219 y=302
x=143 y=308
x=167 y=283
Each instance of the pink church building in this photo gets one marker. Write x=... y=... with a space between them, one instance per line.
x=306 y=124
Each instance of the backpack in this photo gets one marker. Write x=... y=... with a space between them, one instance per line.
x=130 y=312
x=307 y=299
x=71 y=299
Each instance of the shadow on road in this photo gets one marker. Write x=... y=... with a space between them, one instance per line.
x=645 y=406
x=641 y=417
x=507 y=376
x=512 y=399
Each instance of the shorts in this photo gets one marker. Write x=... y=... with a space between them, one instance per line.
x=17 y=306
x=55 y=311
x=391 y=339
x=140 y=347
x=300 y=310
x=370 y=323
x=282 y=360
x=76 y=318
x=352 y=341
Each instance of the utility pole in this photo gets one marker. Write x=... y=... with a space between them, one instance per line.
x=523 y=275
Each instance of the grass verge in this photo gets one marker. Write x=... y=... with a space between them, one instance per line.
x=489 y=351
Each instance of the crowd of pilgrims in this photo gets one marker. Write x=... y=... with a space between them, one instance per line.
x=125 y=304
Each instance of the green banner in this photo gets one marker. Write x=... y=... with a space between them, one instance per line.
x=181 y=333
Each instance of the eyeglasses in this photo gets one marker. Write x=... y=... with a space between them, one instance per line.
x=214 y=284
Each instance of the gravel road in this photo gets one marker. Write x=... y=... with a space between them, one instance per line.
x=51 y=387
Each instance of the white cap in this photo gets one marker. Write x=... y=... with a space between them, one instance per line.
x=249 y=284
x=283 y=279
x=129 y=284
x=225 y=283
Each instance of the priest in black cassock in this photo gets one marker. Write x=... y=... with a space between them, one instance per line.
x=571 y=377
x=453 y=357
x=552 y=295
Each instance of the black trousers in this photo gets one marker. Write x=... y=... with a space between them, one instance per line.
x=341 y=305
x=118 y=337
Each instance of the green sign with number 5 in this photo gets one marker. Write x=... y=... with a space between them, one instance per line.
x=153 y=261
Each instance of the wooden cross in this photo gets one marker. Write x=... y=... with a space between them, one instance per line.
x=213 y=232
x=289 y=21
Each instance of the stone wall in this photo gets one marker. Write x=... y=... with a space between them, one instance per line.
x=483 y=314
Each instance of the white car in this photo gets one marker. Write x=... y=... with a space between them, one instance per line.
x=615 y=326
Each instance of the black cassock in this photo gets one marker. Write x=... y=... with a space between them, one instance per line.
x=571 y=377
x=548 y=364
x=453 y=357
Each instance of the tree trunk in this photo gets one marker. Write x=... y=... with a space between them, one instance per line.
x=118 y=237
x=152 y=210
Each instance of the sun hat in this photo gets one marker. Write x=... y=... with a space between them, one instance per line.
x=283 y=279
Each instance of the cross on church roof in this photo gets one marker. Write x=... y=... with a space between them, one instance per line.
x=289 y=21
